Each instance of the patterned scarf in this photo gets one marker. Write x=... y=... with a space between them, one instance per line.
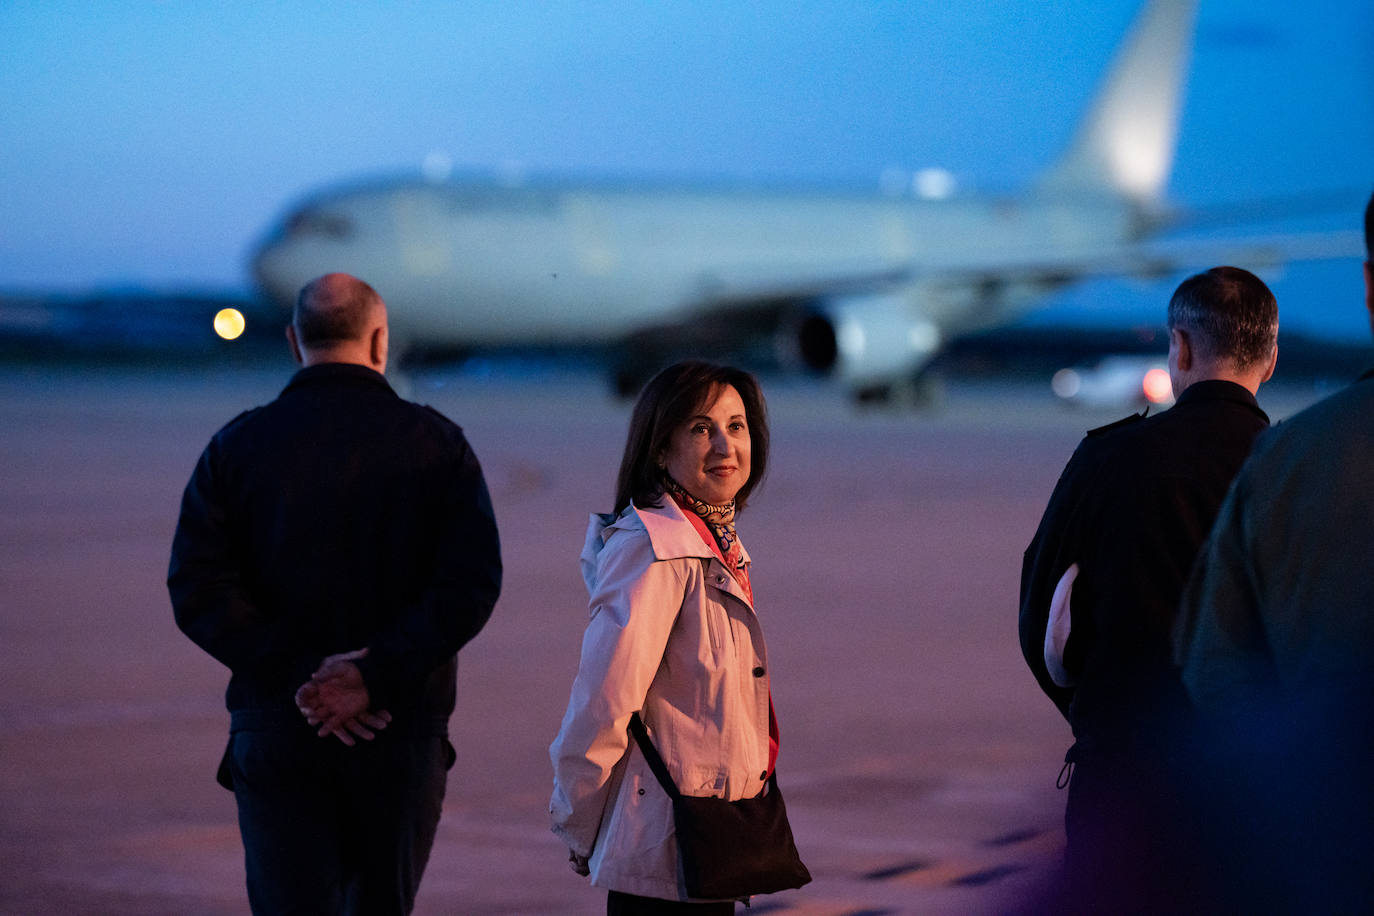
x=720 y=521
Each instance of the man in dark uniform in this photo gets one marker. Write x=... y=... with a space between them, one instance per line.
x=1103 y=575
x=335 y=549
x=1274 y=640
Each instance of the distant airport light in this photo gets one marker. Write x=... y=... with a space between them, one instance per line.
x=1066 y=383
x=229 y=323
x=933 y=184
x=1157 y=386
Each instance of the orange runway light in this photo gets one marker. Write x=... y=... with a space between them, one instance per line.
x=1157 y=386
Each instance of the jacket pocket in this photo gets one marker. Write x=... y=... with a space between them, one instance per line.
x=702 y=780
x=638 y=836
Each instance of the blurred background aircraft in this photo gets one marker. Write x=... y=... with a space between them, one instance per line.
x=867 y=288
x=149 y=143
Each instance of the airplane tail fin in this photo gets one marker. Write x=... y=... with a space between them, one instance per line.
x=1125 y=144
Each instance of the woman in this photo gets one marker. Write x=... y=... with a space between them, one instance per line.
x=672 y=635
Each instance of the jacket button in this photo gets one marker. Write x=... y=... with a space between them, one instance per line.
x=641 y=791
x=758 y=672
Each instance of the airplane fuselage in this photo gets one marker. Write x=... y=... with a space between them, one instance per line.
x=865 y=287
x=487 y=265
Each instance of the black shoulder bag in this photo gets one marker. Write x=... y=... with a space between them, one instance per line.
x=729 y=849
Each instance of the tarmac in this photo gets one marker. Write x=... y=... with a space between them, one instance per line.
x=918 y=755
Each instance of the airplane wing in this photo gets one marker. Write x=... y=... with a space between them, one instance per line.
x=871 y=328
x=1152 y=259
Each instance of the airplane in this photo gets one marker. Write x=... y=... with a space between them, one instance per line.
x=864 y=288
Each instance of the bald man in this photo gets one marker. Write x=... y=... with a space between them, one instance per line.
x=335 y=549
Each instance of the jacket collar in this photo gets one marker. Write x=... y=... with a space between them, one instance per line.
x=1219 y=390
x=328 y=372
x=671 y=533
x=671 y=536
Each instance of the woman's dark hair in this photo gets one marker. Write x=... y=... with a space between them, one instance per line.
x=669 y=400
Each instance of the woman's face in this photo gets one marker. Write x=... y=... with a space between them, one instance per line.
x=709 y=453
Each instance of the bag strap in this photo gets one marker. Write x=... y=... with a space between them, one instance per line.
x=652 y=757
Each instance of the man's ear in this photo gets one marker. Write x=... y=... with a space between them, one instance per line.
x=377 y=346
x=1273 y=363
x=1183 y=348
x=296 y=353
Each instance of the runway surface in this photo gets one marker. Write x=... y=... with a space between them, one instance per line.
x=918 y=756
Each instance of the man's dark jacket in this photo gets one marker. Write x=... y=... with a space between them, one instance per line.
x=1131 y=509
x=337 y=517
x=1274 y=638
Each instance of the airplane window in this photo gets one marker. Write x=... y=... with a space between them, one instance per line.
x=312 y=222
x=506 y=200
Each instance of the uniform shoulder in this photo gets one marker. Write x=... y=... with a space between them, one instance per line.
x=1110 y=444
x=228 y=430
x=431 y=425
x=1112 y=427
x=434 y=416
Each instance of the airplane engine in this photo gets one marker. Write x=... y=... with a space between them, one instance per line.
x=870 y=343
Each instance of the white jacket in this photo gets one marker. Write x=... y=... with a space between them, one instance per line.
x=672 y=635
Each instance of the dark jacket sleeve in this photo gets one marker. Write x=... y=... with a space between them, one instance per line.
x=458 y=600
x=205 y=579
x=1051 y=552
x=1220 y=642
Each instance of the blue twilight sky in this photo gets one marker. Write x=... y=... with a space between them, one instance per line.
x=151 y=143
